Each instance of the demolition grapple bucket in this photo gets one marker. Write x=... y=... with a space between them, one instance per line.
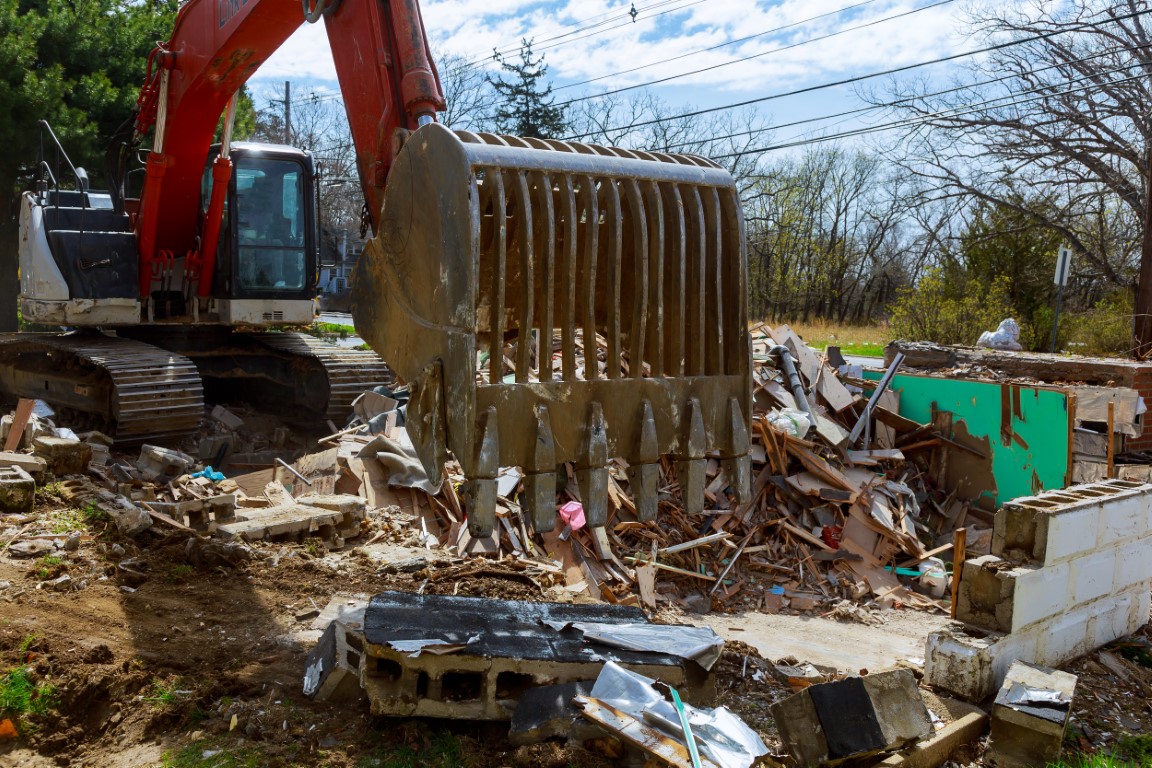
x=552 y=302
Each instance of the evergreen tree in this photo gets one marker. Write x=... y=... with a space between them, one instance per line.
x=526 y=105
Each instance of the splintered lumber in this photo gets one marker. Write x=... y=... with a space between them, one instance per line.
x=896 y=421
x=695 y=543
x=820 y=468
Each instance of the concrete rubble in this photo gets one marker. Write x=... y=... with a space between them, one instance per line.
x=1030 y=716
x=857 y=717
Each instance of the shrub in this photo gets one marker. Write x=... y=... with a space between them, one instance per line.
x=937 y=310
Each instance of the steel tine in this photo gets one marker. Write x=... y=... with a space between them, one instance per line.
x=691 y=464
x=545 y=241
x=695 y=335
x=482 y=485
x=592 y=476
x=539 y=496
x=712 y=289
x=643 y=469
x=590 y=243
x=615 y=246
x=638 y=222
x=654 y=346
x=499 y=267
x=527 y=267
x=674 y=270
x=567 y=282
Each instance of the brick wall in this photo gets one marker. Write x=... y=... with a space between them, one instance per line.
x=1070 y=570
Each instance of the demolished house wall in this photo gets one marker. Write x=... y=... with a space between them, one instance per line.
x=1070 y=570
x=1012 y=440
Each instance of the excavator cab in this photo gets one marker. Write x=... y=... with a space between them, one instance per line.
x=270 y=245
x=551 y=302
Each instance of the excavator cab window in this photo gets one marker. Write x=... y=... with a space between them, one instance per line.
x=271 y=216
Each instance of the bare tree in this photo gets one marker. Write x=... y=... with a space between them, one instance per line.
x=468 y=95
x=1062 y=109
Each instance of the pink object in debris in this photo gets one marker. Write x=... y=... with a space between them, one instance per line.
x=572 y=514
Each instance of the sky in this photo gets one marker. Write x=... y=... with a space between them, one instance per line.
x=737 y=50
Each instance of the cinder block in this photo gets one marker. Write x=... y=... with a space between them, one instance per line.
x=63 y=455
x=1092 y=576
x=971 y=663
x=852 y=718
x=1110 y=619
x=1058 y=525
x=1064 y=637
x=1141 y=605
x=985 y=595
x=1123 y=519
x=332 y=669
x=17 y=491
x=1133 y=564
x=33 y=465
x=1071 y=533
x=1039 y=593
x=1026 y=734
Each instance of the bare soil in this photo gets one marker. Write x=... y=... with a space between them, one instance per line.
x=194 y=655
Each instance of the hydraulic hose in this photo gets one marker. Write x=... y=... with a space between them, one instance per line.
x=794 y=383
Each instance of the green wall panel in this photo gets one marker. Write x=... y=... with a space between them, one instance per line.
x=1025 y=429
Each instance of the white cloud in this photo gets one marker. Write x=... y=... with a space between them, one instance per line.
x=612 y=44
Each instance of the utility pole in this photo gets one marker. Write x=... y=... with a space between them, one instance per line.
x=1142 y=322
x=287 y=112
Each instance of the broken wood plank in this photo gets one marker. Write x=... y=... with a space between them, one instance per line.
x=19 y=423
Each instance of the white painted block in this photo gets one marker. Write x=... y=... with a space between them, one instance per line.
x=1065 y=637
x=1110 y=619
x=1122 y=519
x=1092 y=576
x=1040 y=593
x=1133 y=564
x=1141 y=605
x=1072 y=533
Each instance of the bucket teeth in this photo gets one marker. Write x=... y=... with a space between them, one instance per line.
x=738 y=468
x=539 y=496
x=592 y=476
x=482 y=485
x=690 y=467
x=644 y=472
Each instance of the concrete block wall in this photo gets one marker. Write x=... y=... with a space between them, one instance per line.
x=1070 y=570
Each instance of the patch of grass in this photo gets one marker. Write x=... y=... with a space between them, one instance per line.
x=207 y=753
x=314 y=547
x=49 y=567
x=178 y=573
x=53 y=490
x=442 y=750
x=28 y=643
x=867 y=340
x=84 y=519
x=1097 y=760
x=166 y=693
x=1138 y=749
x=21 y=696
x=323 y=330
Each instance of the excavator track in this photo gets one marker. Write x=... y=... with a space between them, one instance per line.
x=133 y=391
x=350 y=371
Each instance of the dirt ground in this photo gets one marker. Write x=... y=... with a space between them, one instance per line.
x=165 y=650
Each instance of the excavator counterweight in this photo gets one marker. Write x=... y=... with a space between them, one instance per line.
x=553 y=302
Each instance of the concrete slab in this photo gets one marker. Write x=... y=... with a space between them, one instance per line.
x=848 y=647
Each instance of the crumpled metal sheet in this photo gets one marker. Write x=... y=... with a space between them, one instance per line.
x=699 y=644
x=720 y=735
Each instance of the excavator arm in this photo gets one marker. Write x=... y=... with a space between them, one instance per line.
x=387 y=79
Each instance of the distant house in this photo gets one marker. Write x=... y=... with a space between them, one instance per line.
x=344 y=246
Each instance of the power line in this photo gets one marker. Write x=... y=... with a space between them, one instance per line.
x=862 y=78
x=904 y=101
x=741 y=60
x=599 y=28
x=726 y=44
x=953 y=112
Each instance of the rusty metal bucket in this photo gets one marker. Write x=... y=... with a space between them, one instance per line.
x=495 y=253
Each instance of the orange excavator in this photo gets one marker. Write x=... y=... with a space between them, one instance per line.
x=546 y=302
